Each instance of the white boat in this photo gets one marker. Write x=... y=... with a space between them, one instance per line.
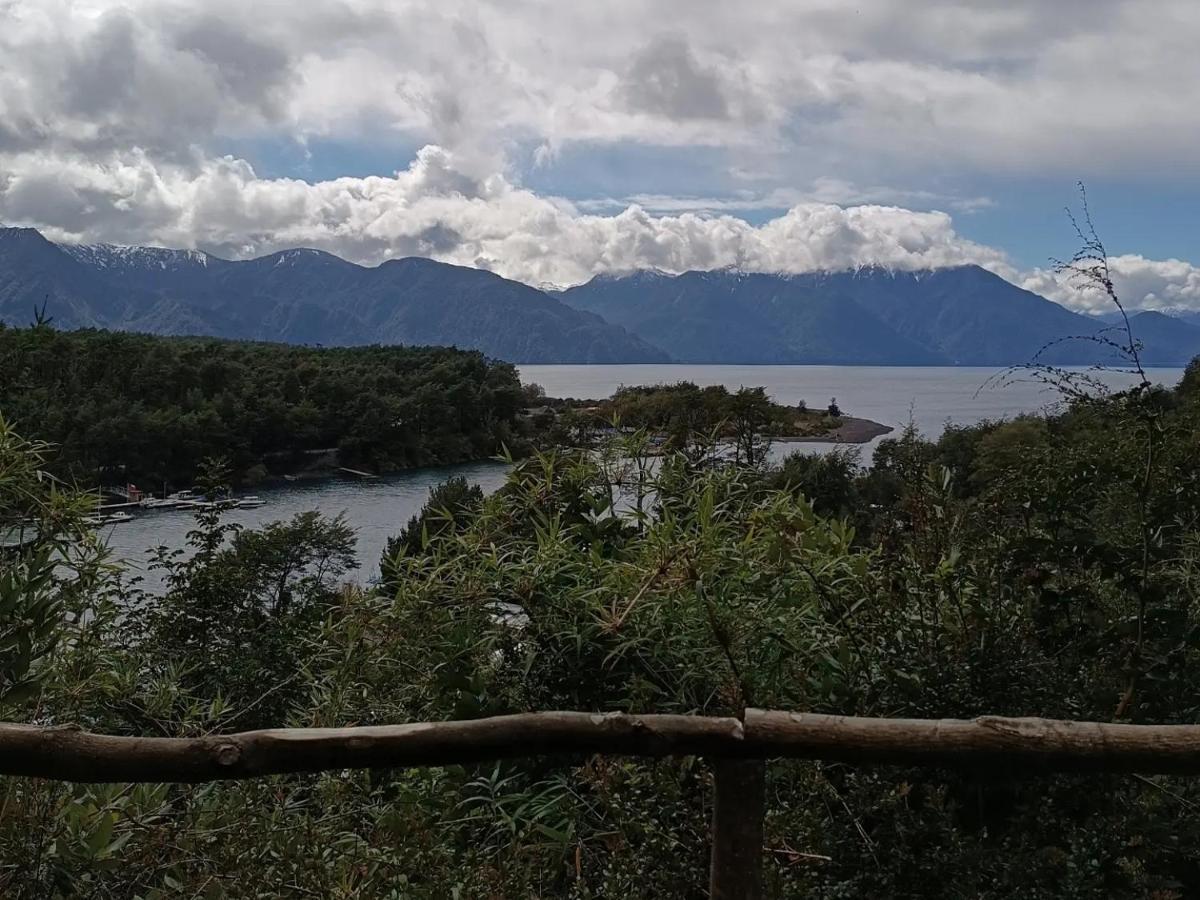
x=207 y=504
x=250 y=501
x=99 y=521
x=177 y=500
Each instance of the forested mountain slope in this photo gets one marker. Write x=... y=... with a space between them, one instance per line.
x=302 y=297
x=954 y=316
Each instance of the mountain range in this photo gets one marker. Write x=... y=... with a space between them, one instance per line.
x=963 y=315
x=302 y=297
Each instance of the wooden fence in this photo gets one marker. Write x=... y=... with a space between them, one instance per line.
x=736 y=749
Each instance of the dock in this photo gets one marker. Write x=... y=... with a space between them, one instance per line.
x=357 y=472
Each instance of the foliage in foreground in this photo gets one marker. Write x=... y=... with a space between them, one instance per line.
x=1044 y=566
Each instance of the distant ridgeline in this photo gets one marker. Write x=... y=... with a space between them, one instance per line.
x=962 y=316
x=149 y=409
x=301 y=297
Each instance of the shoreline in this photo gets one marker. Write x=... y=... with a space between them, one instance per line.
x=345 y=473
x=853 y=430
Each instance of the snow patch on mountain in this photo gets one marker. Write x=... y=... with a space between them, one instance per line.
x=118 y=256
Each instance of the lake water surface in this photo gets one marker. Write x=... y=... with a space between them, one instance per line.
x=378 y=508
x=892 y=395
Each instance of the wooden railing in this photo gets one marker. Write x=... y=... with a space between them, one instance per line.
x=735 y=747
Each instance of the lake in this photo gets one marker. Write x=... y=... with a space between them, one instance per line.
x=893 y=395
x=378 y=508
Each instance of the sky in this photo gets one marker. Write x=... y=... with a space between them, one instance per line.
x=550 y=140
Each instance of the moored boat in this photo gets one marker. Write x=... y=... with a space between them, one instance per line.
x=177 y=500
x=102 y=520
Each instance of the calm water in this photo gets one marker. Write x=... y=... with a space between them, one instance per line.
x=929 y=397
x=378 y=508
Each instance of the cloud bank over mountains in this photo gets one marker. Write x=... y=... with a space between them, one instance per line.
x=1158 y=284
x=128 y=122
x=434 y=209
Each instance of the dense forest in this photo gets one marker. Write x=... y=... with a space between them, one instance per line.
x=148 y=409
x=1042 y=566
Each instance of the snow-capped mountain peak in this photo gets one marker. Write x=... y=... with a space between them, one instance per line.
x=117 y=256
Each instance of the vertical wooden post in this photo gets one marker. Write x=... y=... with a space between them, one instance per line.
x=739 y=804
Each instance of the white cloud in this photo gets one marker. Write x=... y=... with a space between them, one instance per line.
x=823 y=190
x=1140 y=283
x=161 y=78
x=440 y=208
x=116 y=115
x=1009 y=84
x=434 y=208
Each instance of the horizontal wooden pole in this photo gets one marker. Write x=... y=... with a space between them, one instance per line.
x=74 y=755
x=1016 y=746
x=996 y=743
